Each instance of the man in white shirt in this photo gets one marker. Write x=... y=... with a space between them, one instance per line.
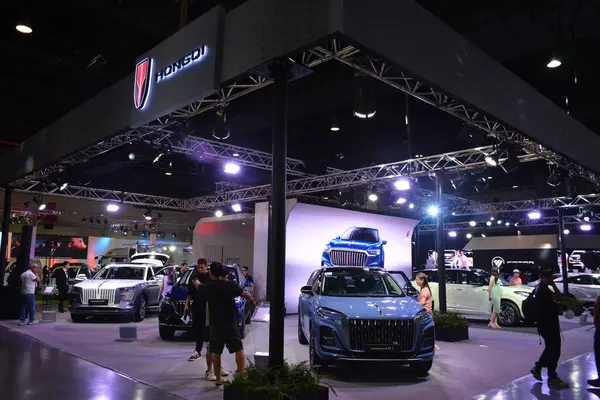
x=29 y=280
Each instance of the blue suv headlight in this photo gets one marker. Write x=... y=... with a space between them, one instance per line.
x=374 y=252
x=127 y=294
x=329 y=314
x=423 y=316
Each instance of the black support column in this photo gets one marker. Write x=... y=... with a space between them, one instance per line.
x=561 y=247
x=5 y=229
x=439 y=243
x=280 y=72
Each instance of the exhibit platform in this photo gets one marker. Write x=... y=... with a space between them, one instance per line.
x=472 y=369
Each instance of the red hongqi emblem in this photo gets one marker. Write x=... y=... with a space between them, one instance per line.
x=141 y=83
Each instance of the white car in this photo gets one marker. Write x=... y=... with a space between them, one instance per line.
x=584 y=287
x=118 y=289
x=467 y=293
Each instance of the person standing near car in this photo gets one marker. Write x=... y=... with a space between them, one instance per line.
x=249 y=280
x=224 y=331
x=548 y=328
x=29 y=280
x=516 y=278
x=61 y=275
x=198 y=297
x=495 y=296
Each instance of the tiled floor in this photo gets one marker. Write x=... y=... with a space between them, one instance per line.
x=490 y=359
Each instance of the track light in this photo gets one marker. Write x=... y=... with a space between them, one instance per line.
x=483 y=235
x=433 y=210
x=220 y=128
x=335 y=127
x=489 y=223
x=585 y=227
x=452 y=234
x=218 y=213
x=534 y=215
x=566 y=231
x=491 y=160
x=148 y=215
x=507 y=223
x=401 y=200
x=402 y=184
x=231 y=168
x=472 y=223
x=469 y=235
x=112 y=207
x=158 y=157
x=236 y=207
x=363 y=104
x=24 y=27
x=411 y=206
x=554 y=63
x=373 y=197
x=131 y=156
x=554 y=180
x=63 y=186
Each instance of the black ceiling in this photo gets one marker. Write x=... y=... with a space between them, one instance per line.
x=79 y=48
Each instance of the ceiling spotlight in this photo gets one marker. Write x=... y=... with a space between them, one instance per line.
x=554 y=63
x=402 y=184
x=554 y=180
x=534 y=215
x=401 y=200
x=42 y=207
x=112 y=207
x=472 y=223
x=483 y=235
x=491 y=160
x=515 y=186
x=489 y=223
x=469 y=235
x=218 y=213
x=24 y=28
x=491 y=218
x=131 y=156
x=231 y=168
x=63 y=186
x=148 y=215
x=433 y=210
x=363 y=105
x=585 y=227
x=220 y=128
x=124 y=233
x=566 y=231
x=507 y=223
x=411 y=206
x=236 y=154
x=373 y=197
x=516 y=223
x=168 y=173
x=586 y=218
x=158 y=157
x=452 y=233
x=236 y=207
x=453 y=212
x=499 y=222
x=335 y=127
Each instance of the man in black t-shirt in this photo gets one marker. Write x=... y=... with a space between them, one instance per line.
x=549 y=329
x=224 y=331
x=199 y=277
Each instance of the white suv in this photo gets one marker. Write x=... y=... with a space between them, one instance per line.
x=467 y=293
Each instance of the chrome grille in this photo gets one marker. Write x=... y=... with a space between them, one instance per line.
x=348 y=258
x=180 y=305
x=399 y=333
x=91 y=293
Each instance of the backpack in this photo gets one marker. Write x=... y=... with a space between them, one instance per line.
x=530 y=307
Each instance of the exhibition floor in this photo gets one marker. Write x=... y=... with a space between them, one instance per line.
x=462 y=370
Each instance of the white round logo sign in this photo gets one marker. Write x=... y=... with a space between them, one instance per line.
x=498 y=262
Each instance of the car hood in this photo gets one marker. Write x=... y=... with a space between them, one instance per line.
x=354 y=244
x=108 y=283
x=370 y=307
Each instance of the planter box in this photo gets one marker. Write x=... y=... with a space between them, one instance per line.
x=233 y=393
x=445 y=334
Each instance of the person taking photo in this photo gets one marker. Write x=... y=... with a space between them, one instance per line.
x=224 y=331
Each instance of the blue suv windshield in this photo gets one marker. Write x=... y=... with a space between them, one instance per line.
x=361 y=234
x=359 y=283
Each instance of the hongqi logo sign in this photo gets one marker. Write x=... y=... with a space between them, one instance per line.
x=498 y=262
x=141 y=83
x=143 y=70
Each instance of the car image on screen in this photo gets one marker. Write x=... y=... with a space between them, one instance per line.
x=357 y=247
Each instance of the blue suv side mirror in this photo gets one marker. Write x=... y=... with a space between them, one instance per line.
x=384 y=242
x=307 y=290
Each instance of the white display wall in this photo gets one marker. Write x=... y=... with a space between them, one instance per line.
x=309 y=228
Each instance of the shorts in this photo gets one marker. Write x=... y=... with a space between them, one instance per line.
x=219 y=339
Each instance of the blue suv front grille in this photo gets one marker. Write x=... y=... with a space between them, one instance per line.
x=398 y=333
x=348 y=258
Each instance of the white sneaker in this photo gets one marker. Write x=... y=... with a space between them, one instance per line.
x=210 y=376
x=224 y=372
x=195 y=356
x=22 y=323
x=34 y=322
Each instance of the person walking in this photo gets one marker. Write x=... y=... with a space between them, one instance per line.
x=548 y=328
x=224 y=331
x=29 y=280
x=596 y=382
x=494 y=296
x=61 y=275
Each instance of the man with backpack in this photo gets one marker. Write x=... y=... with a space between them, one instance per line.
x=545 y=312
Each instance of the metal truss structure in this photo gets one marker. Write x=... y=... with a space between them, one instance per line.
x=545 y=221
x=525 y=205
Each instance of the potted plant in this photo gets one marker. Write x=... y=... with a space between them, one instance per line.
x=287 y=382
x=450 y=326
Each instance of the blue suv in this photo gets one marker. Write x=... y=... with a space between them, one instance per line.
x=362 y=314
x=357 y=247
x=171 y=306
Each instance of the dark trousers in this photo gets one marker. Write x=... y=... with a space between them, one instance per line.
x=62 y=296
x=597 y=351
x=549 y=358
x=27 y=307
x=199 y=325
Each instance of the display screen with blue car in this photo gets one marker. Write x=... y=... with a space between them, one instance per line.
x=357 y=247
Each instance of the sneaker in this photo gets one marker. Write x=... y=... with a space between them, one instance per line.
x=558 y=383
x=220 y=382
x=34 y=322
x=22 y=323
x=195 y=356
x=210 y=376
x=594 y=382
x=224 y=372
x=536 y=373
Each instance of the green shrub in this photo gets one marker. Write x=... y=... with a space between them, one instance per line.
x=278 y=383
x=449 y=319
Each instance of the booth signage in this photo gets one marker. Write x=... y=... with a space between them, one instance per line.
x=183 y=62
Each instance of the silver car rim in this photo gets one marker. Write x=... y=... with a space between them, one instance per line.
x=507 y=315
x=142 y=308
